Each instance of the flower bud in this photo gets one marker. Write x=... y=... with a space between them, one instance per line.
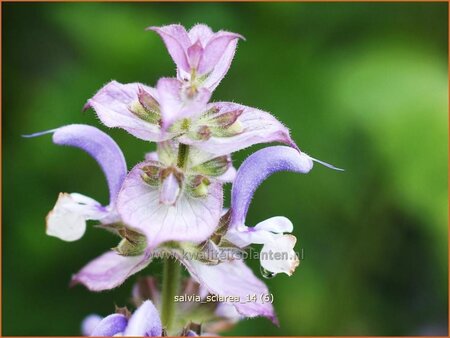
x=199 y=186
x=232 y=130
x=170 y=190
x=151 y=174
x=215 y=167
x=180 y=126
x=223 y=124
x=147 y=101
x=225 y=120
x=133 y=243
x=202 y=133
x=146 y=107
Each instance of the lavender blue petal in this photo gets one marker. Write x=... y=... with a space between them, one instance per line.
x=89 y=324
x=110 y=326
x=256 y=168
x=144 y=322
x=101 y=147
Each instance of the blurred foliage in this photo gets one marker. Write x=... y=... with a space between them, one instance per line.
x=361 y=85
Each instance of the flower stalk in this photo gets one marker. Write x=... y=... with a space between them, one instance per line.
x=170 y=285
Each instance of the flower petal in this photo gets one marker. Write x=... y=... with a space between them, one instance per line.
x=110 y=326
x=195 y=53
x=277 y=224
x=263 y=232
x=112 y=103
x=256 y=168
x=151 y=156
x=109 y=270
x=177 y=42
x=200 y=32
x=278 y=255
x=170 y=189
x=215 y=49
x=233 y=278
x=221 y=67
x=257 y=127
x=67 y=219
x=228 y=176
x=190 y=219
x=175 y=104
x=226 y=310
x=101 y=147
x=89 y=324
x=144 y=322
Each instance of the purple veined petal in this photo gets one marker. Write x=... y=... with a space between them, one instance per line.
x=190 y=219
x=109 y=270
x=101 y=147
x=200 y=32
x=221 y=67
x=177 y=42
x=112 y=102
x=170 y=190
x=257 y=127
x=256 y=168
x=171 y=103
x=215 y=49
x=110 y=326
x=195 y=53
x=67 y=219
x=89 y=324
x=233 y=278
x=145 y=322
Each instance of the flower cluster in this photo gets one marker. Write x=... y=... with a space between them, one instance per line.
x=172 y=202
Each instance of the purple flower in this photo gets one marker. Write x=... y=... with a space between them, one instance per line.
x=271 y=233
x=67 y=220
x=202 y=56
x=144 y=322
x=157 y=198
x=167 y=113
x=233 y=277
x=170 y=201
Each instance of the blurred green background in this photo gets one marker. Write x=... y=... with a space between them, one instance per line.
x=361 y=85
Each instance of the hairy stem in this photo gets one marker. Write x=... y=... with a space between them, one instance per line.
x=170 y=284
x=183 y=153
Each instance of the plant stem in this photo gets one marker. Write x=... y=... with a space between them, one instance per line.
x=183 y=153
x=171 y=277
x=171 y=270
